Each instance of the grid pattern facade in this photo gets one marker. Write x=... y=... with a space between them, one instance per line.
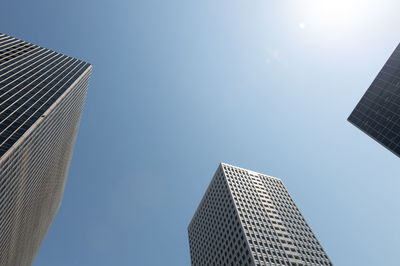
x=41 y=99
x=216 y=236
x=247 y=218
x=378 y=112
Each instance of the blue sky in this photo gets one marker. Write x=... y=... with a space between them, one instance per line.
x=179 y=86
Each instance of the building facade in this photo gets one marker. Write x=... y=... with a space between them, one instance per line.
x=378 y=112
x=247 y=218
x=41 y=98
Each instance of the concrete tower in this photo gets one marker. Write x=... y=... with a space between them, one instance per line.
x=41 y=98
x=247 y=218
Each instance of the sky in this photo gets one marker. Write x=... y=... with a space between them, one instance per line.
x=180 y=86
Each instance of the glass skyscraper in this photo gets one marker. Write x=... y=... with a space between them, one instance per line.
x=41 y=98
x=378 y=112
x=247 y=218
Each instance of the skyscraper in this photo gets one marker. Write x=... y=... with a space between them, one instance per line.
x=378 y=112
x=41 y=98
x=247 y=218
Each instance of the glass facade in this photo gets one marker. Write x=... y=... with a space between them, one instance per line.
x=378 y=112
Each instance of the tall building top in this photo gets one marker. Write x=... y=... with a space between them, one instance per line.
x=32 y=78
x=247 y=170
x=248 y=218
x=19 y=47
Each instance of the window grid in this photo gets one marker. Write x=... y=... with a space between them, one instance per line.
x=378 y=112
x=41 y=99
x=260 y=208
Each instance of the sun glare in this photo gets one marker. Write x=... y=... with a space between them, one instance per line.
x=338 y=15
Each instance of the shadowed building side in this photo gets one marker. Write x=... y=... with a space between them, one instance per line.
x=216 y=236
x=378 y=112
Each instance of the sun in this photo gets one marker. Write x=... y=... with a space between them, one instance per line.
x=337 y=15
x=337 y=12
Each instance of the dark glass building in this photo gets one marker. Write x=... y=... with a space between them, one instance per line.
x=378 y=112
x=41 y=99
